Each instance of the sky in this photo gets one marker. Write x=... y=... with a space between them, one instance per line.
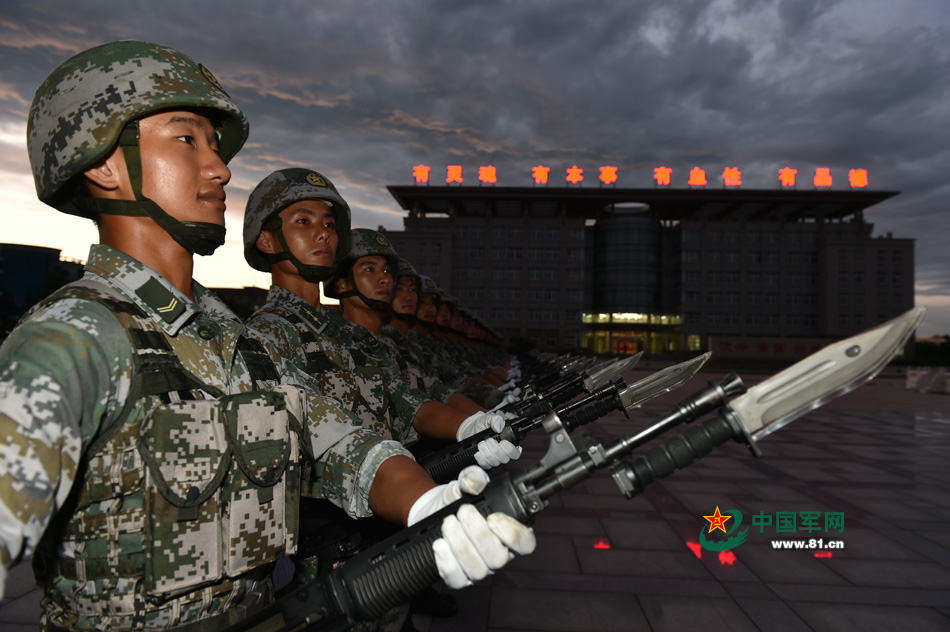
x=364 y=90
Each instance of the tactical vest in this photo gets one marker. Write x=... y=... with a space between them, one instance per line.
x=189 y=488
x=363 y=390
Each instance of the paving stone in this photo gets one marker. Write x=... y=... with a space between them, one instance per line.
x=558 y=555
x=861 y=618
x=674 y=614
x=565 y=611
x=786 y=566
x=642 y=534
x=897 y=573
x=19 y=582
x=23 y=610
x=669 y=564
x=772 y=615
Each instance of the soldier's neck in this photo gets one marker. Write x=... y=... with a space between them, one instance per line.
x=142 y=239
x=401 y=325
x=306 y=290
x=357 y=312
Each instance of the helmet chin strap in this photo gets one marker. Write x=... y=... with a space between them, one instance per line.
x=374 y=304
x=201 y=238
x=310 y=273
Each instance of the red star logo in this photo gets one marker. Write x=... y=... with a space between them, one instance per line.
x=717 y=521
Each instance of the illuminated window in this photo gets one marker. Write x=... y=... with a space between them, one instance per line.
x=630 y=317
x=575 y=174
x=453 y=173
x=732 y=177
x=421 y=174
x=822 y=177
x=694 y=342
x=487 y=174
x=608 y=174
x=786 y=176
x=662 y=175
x=540 y=174
x=697 y=177
x=858 y=178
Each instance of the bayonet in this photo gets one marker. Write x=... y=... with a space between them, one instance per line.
x=833 y=371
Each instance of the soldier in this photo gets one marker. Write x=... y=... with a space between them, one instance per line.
x=401 y=333
x=152 y=452
x=474 y=381
x=297 y=226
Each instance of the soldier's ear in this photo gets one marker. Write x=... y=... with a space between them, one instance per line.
x=341 y=284
x=109 y=177
x=267 y=243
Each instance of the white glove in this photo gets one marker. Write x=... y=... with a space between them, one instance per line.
x=473 y=424
x=492 y=452
x=514 y=373
x=507 y=386
x=471 y=547
x=472 y=480
x=511 y=397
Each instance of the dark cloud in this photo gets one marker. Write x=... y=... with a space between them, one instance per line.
x=363 y=90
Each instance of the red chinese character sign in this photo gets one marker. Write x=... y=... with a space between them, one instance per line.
x=786 y=176
x=540 y=174
x=487 y=174
x=421 y=174
x=575 y=174
x=453 y=173
x=822 y=177
x=662 y=175
x=697 y=177
x=858 y=178
x=608 y=175
x=732 y=177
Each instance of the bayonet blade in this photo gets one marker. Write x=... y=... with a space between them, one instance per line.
x=662 y=381
x=834 y=370
x=602 y=376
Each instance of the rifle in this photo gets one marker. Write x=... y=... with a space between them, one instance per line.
x=392 y=571
x=445 y=465
x=569 y=387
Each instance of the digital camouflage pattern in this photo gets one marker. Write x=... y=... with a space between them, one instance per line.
x=409 y=358
x=278 y=191
x=78 y=113
x=320 y=343
x=153 y=534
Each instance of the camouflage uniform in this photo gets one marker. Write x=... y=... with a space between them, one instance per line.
x=408 y=357
x=322 y=344
x=72 y=410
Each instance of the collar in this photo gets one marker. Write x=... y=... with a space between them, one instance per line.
x=151 y=292
x=283 y=298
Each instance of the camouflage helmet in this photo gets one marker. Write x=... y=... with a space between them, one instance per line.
x=79 y=112
x=428 y=286
x=275 y=193
x=364 y=242
x=405 y=269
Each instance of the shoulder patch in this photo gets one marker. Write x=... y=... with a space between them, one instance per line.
x=156 y=296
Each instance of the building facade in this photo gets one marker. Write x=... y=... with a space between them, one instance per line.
x=739 y=272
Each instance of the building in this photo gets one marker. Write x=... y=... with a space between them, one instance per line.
x=737 y=271
x=28 y=274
